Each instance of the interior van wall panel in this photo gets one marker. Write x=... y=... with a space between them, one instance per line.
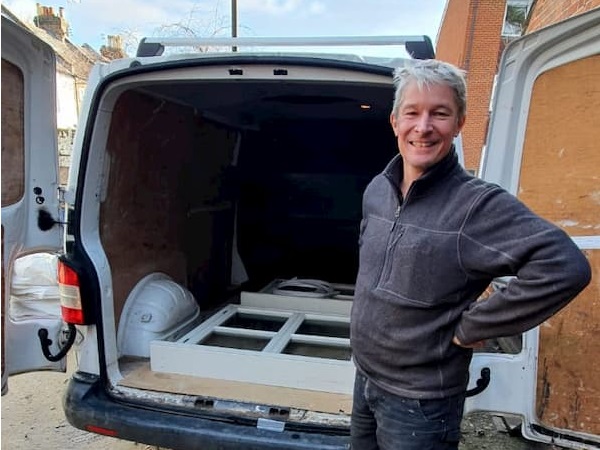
x=143 y=217
x=13 y=154
x=560 y=179
x=211 y=189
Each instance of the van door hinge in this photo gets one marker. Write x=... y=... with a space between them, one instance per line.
x=61 y=194
x=61 y=203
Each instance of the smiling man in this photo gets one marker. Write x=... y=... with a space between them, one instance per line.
x=425 y=124
x=431 y=240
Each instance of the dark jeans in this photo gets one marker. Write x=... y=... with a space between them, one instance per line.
x=385 y=421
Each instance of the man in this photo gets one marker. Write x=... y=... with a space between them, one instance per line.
x=432 y=238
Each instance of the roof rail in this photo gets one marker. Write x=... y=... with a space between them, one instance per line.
x=418 y=47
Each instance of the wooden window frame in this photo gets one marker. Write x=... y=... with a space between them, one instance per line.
x=269 y=366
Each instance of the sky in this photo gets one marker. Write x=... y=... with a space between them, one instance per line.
x=90 y=21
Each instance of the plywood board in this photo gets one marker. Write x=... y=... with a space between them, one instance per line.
x=13 y=150
x=145 y=205
x=568 y=386
x=144 y=378
x=560 y=171
x=560 y=180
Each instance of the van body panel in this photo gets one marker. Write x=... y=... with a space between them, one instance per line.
x=86 y=402
x=565 y=160
x=167 y=170
x=546 y=110
x=29 y=184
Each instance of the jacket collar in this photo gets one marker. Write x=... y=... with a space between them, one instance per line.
x=395 y=170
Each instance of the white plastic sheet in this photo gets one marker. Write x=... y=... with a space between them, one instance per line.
x=34 y=287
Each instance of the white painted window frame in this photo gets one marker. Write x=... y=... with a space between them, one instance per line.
x=188 y=356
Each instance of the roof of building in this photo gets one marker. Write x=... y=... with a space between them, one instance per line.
x=71 y=59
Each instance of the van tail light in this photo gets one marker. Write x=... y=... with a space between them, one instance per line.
x=70 y=296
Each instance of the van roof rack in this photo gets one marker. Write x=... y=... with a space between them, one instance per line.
x=418 y=46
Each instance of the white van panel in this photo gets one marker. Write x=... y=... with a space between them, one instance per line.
x=29 y=159
x=542 y=147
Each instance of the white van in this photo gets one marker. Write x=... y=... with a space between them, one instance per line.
x=209 y=246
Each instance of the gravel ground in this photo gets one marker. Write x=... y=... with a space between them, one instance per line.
x=33 y=419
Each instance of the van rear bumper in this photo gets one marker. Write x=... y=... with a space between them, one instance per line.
x=87 y=405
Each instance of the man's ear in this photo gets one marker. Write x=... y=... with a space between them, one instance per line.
x=460 y=125
x=393 y=123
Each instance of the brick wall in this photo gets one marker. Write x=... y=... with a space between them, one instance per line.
x=452 y=36
x=547 y=12
x=54 y=24
x=469 y=37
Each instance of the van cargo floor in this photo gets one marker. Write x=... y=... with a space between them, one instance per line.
x=141 y=377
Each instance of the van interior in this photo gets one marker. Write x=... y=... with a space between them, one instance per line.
x=228 y=187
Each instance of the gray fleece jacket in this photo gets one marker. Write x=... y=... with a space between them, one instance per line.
x=426 y=259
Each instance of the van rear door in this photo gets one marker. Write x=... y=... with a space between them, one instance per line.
x=29 y=184
x=543 y=147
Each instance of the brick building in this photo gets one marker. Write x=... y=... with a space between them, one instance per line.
x=473 y=35
x=546 y=12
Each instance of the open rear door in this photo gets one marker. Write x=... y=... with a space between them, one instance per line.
x=543 y=146
x=29 y=184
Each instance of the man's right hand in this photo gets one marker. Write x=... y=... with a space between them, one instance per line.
x=474 y=345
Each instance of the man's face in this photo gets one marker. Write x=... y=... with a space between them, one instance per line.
x=425 y=125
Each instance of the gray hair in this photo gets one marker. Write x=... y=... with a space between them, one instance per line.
x=431 y=72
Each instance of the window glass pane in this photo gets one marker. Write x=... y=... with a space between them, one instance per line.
x=239 y=342
x=322 y=328
x=318 y=351
x=514 y=20
x=255 y=322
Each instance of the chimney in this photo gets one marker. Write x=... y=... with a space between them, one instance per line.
x=114 y=48
x=56 y=25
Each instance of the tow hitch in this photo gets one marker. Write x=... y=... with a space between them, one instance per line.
x=45 y=342
x=481 y=383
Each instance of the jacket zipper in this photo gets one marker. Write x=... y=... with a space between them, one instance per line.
x=386 y=257
x=396 y=215
x=385 y=268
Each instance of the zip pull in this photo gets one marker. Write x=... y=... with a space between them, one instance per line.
x=396 y=215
